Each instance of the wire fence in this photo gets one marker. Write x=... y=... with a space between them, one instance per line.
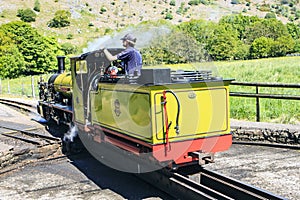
x=26 y=86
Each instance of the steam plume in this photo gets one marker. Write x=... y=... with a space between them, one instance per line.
x=143 y=34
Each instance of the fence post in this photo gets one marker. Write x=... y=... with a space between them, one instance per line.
x=23 y=93
x=257 y=105
x=8 y=87
x=32 y=87
x=0 y=86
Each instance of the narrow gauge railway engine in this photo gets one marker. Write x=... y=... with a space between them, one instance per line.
x=162 y=118
x=56 y=95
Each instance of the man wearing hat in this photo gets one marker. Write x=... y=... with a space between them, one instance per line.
x=131 y=57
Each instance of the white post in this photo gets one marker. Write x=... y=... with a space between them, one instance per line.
x=8 y=87
x=32 y=87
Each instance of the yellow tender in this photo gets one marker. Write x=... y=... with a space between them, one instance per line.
x=145 y=112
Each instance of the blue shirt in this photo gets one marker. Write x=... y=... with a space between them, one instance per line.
x=132 y=60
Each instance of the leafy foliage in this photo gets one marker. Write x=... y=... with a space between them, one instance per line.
x=173 y=48
x=61 y=19
x=26 y=15
x=239 y=23
x=37 y=6
x=36 y=53
x=11 y=60
x=68 y=48
x=270 y=15
x=261 y=47
x=222 y=45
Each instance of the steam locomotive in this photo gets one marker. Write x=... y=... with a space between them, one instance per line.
x=158 y=119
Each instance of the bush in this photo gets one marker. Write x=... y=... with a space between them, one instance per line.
x=194 y=2
x=172 y=3
x=26 y=15
x=37 y=6
x=61 y=19
x=270 y=15
x=68 y=48
x=169 y=16
x=235 y=1
x=103 y=9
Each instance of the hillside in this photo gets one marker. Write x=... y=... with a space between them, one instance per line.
x=90 y=19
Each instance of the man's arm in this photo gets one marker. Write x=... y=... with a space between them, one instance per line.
x=109 y=56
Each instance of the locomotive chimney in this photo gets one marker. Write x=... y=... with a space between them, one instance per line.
x=61 y=64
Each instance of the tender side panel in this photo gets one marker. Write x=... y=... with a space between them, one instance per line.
x=203 y=113
x=124 y=111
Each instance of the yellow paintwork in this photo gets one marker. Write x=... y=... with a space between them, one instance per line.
x=63 y=84
x=137 y=111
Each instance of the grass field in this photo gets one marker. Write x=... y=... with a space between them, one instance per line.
x=272 y=70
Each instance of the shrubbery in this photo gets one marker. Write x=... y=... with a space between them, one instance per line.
x=61 y=19
x=26 y=15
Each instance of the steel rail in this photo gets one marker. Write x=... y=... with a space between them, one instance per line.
x=28 y=140
x=20 y=105
x=234 y=188
x=211 y=186
x=18 y=102
x=284 y=146
x=31 y=134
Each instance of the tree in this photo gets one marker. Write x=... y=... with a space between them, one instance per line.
x=261 y=47
x=222 y=45
x=293 y=30
x=201 y=30
x=297 y=46
x=239 y=23
x=11 y=60
x=270 y=28
x=39 y=52
x=26 y=15
x=171 y=48
x=61 y=19
x=282 y=46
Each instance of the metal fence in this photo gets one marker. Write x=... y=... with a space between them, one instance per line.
x=23 y=88
x=30 y=89
x=257 y=95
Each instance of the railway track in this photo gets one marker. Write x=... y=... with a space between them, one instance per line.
x=27 y=107
x=31 y=135
x=274 y=145
x=210 y=185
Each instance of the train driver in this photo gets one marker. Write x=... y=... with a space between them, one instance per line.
x=131 y=58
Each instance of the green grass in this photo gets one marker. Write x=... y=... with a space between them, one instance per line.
x=272 y=70
x=21 y=86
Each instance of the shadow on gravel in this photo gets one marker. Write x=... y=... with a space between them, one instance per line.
x=125 y=184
